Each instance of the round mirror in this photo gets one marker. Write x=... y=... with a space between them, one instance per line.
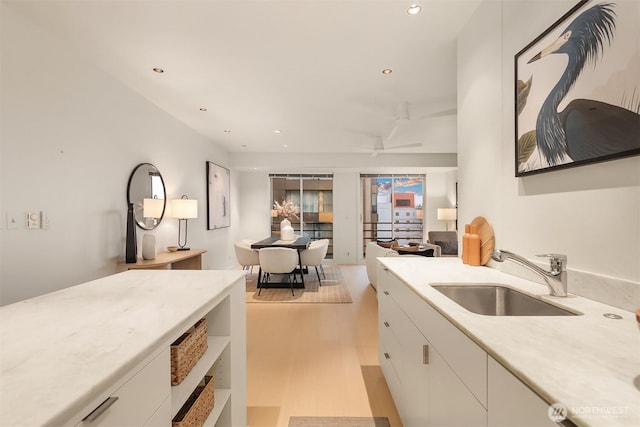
x=147 y=194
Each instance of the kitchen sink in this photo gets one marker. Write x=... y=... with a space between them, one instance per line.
x=496 y=300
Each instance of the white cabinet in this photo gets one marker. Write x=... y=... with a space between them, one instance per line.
x=513 y=404
x=456 y=383
x=451 y=404
x=402 y=361
x=426 y=390
x=135 y=403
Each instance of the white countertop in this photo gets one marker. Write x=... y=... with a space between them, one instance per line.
x=60 y=351
x=588 y=363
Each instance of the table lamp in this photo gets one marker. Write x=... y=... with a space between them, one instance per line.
x=183 y=209
x=447 y=214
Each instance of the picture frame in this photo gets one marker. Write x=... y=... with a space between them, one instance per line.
x=577 y=89
x=218 y=192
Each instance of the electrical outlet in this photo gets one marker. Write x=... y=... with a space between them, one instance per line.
x=12 y=221
x=33 y=220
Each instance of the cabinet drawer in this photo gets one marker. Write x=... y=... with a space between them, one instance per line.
x=138 y=399
x=388 y=370
x=466 y=358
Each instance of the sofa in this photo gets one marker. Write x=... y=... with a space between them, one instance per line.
x=447 y=241
x=374 y=250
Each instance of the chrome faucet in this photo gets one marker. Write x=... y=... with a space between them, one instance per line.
x=556 y=278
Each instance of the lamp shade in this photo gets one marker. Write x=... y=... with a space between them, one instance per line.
x=152 y=208
x=447 y=214
x=184 y=208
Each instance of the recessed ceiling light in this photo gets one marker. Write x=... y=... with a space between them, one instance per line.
x=158 y=70
x=387 y=71
x=285 y=145
x=277 y=131
x=414 y=9
x=203 y=109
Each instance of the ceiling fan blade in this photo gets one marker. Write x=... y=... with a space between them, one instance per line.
x=393 y=147
x=394 y=129
x=402 y=111
x=441 y=113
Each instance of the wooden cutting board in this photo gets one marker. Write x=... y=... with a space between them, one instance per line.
x=487 y=238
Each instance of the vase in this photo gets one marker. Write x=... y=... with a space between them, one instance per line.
x=131 y=251
x=286 y=230
x=148 y=246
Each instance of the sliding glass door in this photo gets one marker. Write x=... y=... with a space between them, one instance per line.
x=392 y=208
x=313 y=194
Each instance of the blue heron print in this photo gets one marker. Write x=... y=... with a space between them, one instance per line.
x=585 y=129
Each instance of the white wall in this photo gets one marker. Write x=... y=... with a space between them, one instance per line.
x=70 y=137
x=441 y=193
x=591 y=213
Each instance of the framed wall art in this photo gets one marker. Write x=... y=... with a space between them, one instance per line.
x=218 y=189
x=577 y=89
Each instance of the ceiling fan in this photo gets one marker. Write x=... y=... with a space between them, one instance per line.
x=403 y=117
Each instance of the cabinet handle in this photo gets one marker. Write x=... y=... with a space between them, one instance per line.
x=387 y=356
x=386 y=292
x=386 y=324
x=425 y=354
x=100 y=409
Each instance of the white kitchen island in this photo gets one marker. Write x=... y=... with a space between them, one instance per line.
x=65 y=353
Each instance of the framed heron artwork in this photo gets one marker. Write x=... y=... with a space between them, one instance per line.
x=218 y=189
x=577 y=89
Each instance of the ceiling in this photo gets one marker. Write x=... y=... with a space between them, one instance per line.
x=310 y=69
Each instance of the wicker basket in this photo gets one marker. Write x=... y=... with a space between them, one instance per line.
x=198 y=407
x=187 y=350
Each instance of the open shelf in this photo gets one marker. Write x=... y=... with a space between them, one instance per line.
x=181 y=392
x=221 y=397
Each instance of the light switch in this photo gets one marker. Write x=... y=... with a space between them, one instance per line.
x=33 y=219
x=44 y=219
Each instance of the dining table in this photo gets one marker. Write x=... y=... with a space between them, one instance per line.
x=300 y=243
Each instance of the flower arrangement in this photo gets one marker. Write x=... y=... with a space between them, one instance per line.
x=286 y=209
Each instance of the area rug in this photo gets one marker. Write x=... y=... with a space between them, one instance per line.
x=338 y=422
x=332 y=291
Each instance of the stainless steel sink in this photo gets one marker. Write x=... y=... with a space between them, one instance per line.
x=496 y=300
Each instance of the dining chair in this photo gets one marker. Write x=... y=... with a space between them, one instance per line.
x=246 y=256
x=314 y=255
x=278 y=261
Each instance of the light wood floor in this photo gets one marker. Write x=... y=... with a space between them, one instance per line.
x=316 y=359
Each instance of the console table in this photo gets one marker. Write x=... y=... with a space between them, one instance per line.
x=179 y=260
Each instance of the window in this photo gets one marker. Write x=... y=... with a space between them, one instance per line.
x=314 y=196
x=393 y=208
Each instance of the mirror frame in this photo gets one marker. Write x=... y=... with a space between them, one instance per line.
x=137 y=204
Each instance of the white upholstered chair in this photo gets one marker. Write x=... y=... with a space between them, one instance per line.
x=246 y=256
x=314 y=254
x=278 y=261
